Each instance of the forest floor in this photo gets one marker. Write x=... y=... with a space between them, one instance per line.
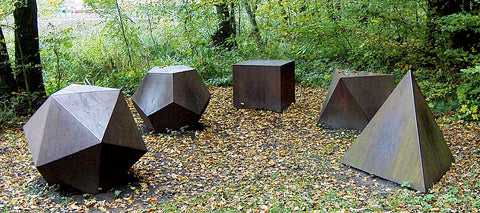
x=249 y=160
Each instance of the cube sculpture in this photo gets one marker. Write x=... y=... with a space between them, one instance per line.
x=171 y=98
x=264 y=84
x=353 y=98
x=84 y=137
x=402 y=142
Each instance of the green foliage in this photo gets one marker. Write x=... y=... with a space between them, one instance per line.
x=387 y=36
x=468 y=93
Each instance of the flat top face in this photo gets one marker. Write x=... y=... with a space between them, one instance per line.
x=263 y=62
x=78 y=88
x=171 y=69
x=349 y=73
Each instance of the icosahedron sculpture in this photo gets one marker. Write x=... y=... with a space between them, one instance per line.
x=171 y=98
x=84 y=137
x=402 y=143
x=264 y=84
x=353 y=98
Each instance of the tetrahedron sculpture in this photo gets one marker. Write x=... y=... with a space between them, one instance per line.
x=402 y=143
x=84 y=137
x=353 y=98
x=171 y=98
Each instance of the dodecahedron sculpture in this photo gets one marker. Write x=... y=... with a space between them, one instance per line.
x=353 y=98
x=171 y=98
x=402 y=142
x=264 y=84
x=84 y=137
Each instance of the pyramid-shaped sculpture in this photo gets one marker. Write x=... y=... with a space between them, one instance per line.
x=84 y=137
x=402 y=142
x=353 y=98
x=171 y=98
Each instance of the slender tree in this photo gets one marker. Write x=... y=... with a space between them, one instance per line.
x=226 y=27
x=27 y=56
x=6 y=72
x=252 y=17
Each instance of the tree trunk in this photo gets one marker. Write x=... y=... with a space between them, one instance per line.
x=7 y=79
x=465 y=39
x=253 y=21
x=226 y=27
x=27 y=56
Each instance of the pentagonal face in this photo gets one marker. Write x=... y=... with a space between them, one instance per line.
x=262 y=84
x=174 y=117
x=154 y=92
x=190 y=92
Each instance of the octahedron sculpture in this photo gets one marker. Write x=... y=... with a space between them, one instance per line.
x=264 y=84
x=84 y=137
x=171 y=98
x=402 y=142
x=353 y=98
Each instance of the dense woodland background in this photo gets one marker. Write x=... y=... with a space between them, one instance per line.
x=117 y=42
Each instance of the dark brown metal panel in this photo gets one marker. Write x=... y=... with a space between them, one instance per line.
x=174 y=117
x=436 y=156
x=186 y=90
x=368 y=91
x=80 y=170
x=342 y=110
x=92 y=109
x=388 y=146
x=115 y=163
x=400 y=143
x=121 y=129
x=257 y=84
x=288 y=84
x=63 y=135
x=154 y=92
x=78 y=88
x=190 y=92
x=34 y=131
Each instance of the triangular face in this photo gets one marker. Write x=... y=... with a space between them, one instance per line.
x=115 y=163
x=390 y=145
x=92 y=109
x=77 y=88
x=331 y=88
x=342 y=111
x=35 y=127
x=63 y=136
x=80 y=170
x=370 y=91
x=121 y=129
x=436 y=156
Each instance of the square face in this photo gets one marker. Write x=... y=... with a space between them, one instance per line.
x=263 y=84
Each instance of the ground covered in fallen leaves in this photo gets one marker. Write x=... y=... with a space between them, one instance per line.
x=248 y=160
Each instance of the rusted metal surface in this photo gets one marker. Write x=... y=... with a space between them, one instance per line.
x=402 y=142
x=171 y=98
x=79 y=133
x=264 y=84
x=353 y=98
